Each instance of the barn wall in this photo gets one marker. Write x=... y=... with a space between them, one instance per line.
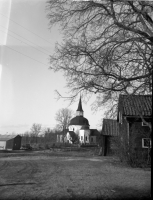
x=123 y=131
x=131 y=132
x=17 y=143
x=9 y=144
x=137 y=132
x=103 y=144
x=123 y=138
x=2 y=145
x=109 y=145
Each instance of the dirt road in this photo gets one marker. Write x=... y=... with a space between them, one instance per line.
x=70 y=177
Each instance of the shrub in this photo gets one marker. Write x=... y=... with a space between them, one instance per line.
x=129 y=154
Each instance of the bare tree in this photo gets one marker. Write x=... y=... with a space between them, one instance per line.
x=63 y=117
x=35 y=130
x=26 y=138
x=107 y=47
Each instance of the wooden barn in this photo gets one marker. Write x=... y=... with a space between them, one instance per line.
x=10 y=142
x=133 y=112
x=108 y=135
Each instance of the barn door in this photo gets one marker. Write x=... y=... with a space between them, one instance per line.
x=105 y=146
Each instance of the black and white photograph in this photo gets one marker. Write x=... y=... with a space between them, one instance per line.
x=76 y=99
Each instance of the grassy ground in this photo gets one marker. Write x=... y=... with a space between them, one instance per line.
x=69 y=175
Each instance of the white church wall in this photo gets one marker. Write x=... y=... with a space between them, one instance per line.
x=75 y=128
x=84 y=136
x=68 y=137
x=81 y=136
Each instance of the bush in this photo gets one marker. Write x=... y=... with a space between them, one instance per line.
x=26 y=147
x=129 y=154
x=47 y=146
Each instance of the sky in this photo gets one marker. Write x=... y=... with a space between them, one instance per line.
x=27 y=85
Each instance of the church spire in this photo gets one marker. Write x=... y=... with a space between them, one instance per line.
x=79 y=110
x=80 y=105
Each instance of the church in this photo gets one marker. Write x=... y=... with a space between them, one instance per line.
x=79 y=129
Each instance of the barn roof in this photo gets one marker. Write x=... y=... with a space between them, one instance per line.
x=134 y=105
x=7 y=137
x=110 y=127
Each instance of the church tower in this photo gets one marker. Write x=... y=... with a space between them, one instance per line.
x=79 y=111
x=79 y=120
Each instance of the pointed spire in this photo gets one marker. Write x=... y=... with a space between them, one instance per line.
x=79 y=111
x=80 y=105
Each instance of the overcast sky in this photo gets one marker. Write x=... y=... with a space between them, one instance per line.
x=27 y=86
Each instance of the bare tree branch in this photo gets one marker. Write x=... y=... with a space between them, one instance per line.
x=107 y=46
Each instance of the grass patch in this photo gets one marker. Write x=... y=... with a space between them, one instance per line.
x=70 y=175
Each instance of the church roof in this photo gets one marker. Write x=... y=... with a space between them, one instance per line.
x=94 y=132
x=85 y=127
x=79 y=120
x=80 y=105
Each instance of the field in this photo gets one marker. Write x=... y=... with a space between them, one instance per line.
x=69 y=175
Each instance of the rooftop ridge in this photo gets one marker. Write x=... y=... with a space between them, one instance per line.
x=135 y=104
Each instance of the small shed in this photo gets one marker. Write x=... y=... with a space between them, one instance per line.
x=10 y=142
x=108 y=135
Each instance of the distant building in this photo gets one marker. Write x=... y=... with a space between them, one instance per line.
x=79 y=129
x=77 y=122
x=61 y=136
x=10 y=142
x=108 y=134
x=89 y=136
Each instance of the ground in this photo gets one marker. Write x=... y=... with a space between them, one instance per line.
x=70 y=175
